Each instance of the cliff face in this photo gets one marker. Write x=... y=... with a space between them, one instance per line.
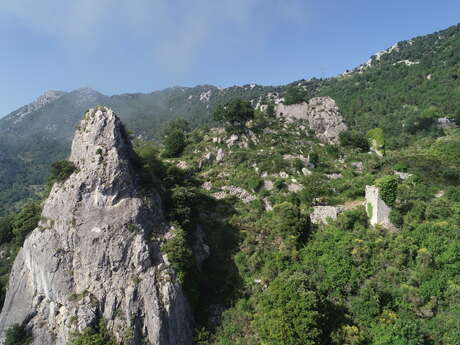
x=96 y=252
x=322 y=114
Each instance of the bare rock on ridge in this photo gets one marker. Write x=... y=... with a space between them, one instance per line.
x=96 y=252
x=322 y=114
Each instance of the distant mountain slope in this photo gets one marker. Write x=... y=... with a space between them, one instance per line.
x=403 y=89
x=37 y=134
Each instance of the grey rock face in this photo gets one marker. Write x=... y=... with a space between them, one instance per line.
x=322 y=115
x=96 y=252
x=321 y=214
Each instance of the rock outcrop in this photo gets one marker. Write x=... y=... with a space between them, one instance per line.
x=322 y=114
x=96 y=252
x=321 y=214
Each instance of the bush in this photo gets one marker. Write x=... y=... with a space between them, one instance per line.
x=6 y=233
x=376 y=139
x=234 y=114
x=61 y=170
x=17 y=335
x=294 y=94
x=288 y=312
x=270 y=109
x=94 y=336
x=457 y=117
x=388 y=186
x=313 y=158
x=254 y=183
x=288 y=222
x=354 y=139
x=174 y=143
x=25 y=221
x=179 y=253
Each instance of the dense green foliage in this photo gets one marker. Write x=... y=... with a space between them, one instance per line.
x=179 y=253
x=388 y=186
x=174 y=143
x=354 y=139
x=289 y=312
x=13 y=231
x=377 y=140
x=17 y=335
x=61 y=170
x=175 y=137
x=234 y=114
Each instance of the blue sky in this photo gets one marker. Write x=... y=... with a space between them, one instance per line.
x=117 y=46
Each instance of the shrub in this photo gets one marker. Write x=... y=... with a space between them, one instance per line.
x=457 y=117
x=6 y=233
x=234 y=114
x=94 y=336
x=453 y=194
x=402 y=167
x=25 y=221
x=179 y=253
x=61 y=170
x=288 y=222
x=17 y=335
x=270 y=109
x=376 y=139
x=313 y=158
x=174 y=143
x=288 y=312
x=254 y=183
x=388 y=186
x=294 y=94
x=181 y=205
x=354 y=139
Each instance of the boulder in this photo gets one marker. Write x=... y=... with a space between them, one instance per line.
x=322 y=115
x=321 y=214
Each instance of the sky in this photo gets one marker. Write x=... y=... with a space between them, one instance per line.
x=121 y=46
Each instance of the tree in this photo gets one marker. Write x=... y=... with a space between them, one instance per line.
x=175 y=137
x=17 y=335
x=174 y=143
x=294 y=94
x=354 y=139
x=6 y=233
x=25 y=221
x=457 y=118
x=288 y=312
x=376 y=139
x=271 y=109
x=234 y=114
x=61 y=170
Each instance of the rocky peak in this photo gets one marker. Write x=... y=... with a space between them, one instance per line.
x=96 y=252
x=86 y=96
x=102 y=152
